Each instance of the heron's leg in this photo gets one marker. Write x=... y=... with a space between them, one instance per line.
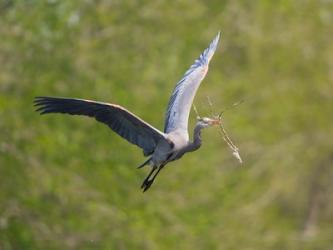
x=160 y=168
x=146 y=180
x=150 y=182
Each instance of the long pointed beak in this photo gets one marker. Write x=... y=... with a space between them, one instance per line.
x=213 y=122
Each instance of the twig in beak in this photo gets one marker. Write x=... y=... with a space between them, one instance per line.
x=196 y=112
x=230 y=107
x=217 y=120
x=232 y=146
x=210 y=105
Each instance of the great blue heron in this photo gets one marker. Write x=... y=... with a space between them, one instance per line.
x=161 y=147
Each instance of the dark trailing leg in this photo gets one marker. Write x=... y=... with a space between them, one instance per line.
x=145 y=163
x=146 y=180
x=149 y=182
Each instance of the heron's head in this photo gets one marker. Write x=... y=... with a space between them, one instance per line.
x=205 y=122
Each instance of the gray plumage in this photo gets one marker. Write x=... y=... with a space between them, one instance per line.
x=120 y=120
x=161 y=147
x=181 y=100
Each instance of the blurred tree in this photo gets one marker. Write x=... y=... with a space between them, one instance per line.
x=69 y=183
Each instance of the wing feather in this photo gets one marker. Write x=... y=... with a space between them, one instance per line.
x=183 y=94
x=120 y=120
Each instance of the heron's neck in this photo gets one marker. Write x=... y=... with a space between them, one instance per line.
x=192 y=146
x=196 y=143
x=197 y=135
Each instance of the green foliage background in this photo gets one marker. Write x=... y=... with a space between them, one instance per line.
x=70 y=183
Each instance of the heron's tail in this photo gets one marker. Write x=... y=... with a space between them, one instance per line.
x=145 y=163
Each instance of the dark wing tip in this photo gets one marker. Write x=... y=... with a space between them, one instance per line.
x=43 y=104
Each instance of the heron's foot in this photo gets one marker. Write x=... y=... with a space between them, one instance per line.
x=149 y=180
x=146 y=184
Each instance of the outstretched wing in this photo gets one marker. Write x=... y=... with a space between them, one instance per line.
x=120 y=120
x=182 y=97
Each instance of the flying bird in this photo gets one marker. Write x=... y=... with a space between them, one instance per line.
x=160 y=147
